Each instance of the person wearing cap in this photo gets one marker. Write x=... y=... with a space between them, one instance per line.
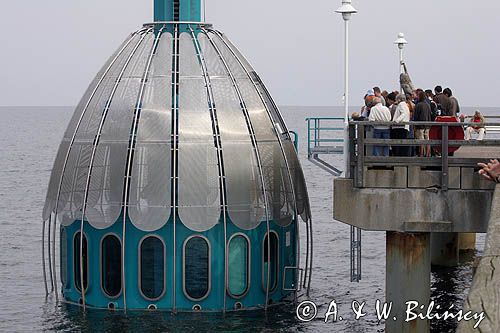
x=479 y=128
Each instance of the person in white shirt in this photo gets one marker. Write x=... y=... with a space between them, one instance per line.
x=380 y=113
x=401 y=115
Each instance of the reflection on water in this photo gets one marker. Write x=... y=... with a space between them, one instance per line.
x=69 y=317
x=449 y=287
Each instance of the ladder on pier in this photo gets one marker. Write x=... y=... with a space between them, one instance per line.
x=325 y=136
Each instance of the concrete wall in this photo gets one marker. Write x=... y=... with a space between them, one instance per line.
x=412 y=209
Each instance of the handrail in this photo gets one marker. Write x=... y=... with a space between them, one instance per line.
x=315 y=130
x=421 y=123
x=325 y=118
x=324 y=137
x=360 y=145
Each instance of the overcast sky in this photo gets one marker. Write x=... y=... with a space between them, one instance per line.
x=52 y=49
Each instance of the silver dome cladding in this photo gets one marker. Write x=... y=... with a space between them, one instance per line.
x=190 y=107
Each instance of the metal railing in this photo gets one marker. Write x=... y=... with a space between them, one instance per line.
x=360 y=146
x=325 y=136
x=324 y=132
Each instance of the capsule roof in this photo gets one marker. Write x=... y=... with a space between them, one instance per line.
x=177 y=124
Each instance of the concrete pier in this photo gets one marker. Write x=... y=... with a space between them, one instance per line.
x=467 y=241
x=408 y=278
x=445 y=249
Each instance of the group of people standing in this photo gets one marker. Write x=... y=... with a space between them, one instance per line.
x=397 y=107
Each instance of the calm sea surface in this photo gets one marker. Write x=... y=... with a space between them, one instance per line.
x=28 y=143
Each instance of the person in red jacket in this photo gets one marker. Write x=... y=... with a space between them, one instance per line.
x=479 y=120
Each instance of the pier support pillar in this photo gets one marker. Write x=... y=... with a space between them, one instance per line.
x=467 y=241
x=445 y=249
x=408 y=278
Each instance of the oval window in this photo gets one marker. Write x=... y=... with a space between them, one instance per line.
x=152 y=267
x=270 y=261
x=76 y=262
x=111 y=265
x=196 y=268
x=238 y=265
x=64 y=257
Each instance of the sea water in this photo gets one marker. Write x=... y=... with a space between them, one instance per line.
x=29 y=139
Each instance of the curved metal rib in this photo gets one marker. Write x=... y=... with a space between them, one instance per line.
x=218 y=145
x=92 y=157
x=73 y=140
x=256 y=150
x=277 y=134
x=43 y=259
x=50 y=256
x=175 y=147
x=131 y=148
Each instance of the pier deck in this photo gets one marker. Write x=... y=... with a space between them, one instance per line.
x=484 y=152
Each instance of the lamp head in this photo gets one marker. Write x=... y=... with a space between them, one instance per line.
x=401 y=41
x=346 y=10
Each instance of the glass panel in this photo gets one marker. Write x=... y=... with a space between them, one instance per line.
x=76 y=171
x=237 y=53
x=189 y=65
x=271 y=263
x=108 y=170
x=152 y=268
x=117 y=56
x=231 y=61
x=64 y=257
x=73 y=184
x=150 y=184
x=276 y=178
x=271 y=106
x=76 y=262
x=215 y=66
x=238 y=265
x=105 y=196
x=196 y=268
x=243 y=183
x=277 y=181
x=301 y=196
x=92 y=118
x=111 y=262
x=199 y=187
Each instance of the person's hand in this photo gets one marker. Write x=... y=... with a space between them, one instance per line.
x=490 y=171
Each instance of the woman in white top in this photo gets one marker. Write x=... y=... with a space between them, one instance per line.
x=401 y=115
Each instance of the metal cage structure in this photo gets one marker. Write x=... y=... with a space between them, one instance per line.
x=179 y=157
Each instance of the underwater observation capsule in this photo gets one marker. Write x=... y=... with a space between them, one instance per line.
x=177 y=185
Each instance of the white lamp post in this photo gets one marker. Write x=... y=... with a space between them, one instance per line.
x=346 y=10
x=401 y=42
